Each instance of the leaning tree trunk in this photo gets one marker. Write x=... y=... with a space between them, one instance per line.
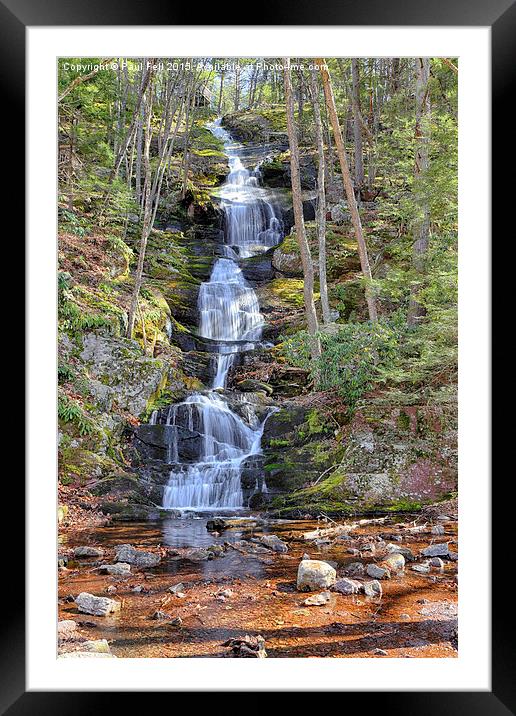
x=348 y=186
x=422 y=224
x=306 y=258
x=321 y=198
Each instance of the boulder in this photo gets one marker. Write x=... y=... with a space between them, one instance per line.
x=129 y=554
x=423 y=568
x=98 y=606
x=313 y=574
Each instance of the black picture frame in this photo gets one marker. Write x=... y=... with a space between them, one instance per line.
x=15 y=17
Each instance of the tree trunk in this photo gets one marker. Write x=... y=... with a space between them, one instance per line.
x=321 y=198
x=306 y=258
x=147 y=211
x=348 y=186
x=219 y=108
x=357 y=126
x=422 y=224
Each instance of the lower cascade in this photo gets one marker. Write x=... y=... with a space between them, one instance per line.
x=229 y=315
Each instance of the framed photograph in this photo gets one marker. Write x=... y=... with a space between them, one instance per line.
x=258 y=289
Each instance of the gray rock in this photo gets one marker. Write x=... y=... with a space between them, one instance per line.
x=98 y=606
x=398 y=549
x=437 y=530
x=347 y=586
x=119 y=569
x=436 y=550
x=453 y=556
x=437 y=563
x=377 y=572
x=87 y=551
x=395 y=562
x=313 y=574
x=100 y=646
x=317 y=600
x=177 y=588
x=129 y=554
x=423 y=568
x=355 y=569
x=373 y=589
x=66 y=630
x=274 y=542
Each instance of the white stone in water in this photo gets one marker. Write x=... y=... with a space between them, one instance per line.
x=317 y=600
x=436 y=550
x=313 y=574
x=98 y=606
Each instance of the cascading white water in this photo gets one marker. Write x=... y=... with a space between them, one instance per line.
x=229 y=312
x=229 y=315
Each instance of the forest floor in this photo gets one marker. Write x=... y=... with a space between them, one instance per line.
x=242 y=588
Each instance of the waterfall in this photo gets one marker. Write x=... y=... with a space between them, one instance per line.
x=229 y=315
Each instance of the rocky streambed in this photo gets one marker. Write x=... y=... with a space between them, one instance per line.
x=199 y=585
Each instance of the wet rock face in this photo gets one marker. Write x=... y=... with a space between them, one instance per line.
x=153 y=442
x=120 y=371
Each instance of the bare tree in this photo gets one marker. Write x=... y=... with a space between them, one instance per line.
x=348 y=186
x=304 y=248
x=422 y=223
x=357 y=126
x=321 y=197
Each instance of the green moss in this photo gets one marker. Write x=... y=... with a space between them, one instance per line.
x=403 y=420
x=290 y=290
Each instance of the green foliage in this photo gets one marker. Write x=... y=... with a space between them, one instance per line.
x=351 y=360
x=69 y=411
